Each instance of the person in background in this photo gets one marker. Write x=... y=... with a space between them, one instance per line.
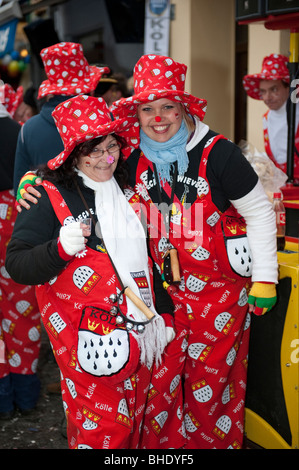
x=94 y=283
x=28 y=106
x=68 y=74
x=130 y=85
x=21 y=106
x=272 y=85
x=11 y=99
x=19 y=314
x=212 y=234
x=112 y=87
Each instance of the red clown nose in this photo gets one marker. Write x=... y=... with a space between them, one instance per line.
x=157 y=119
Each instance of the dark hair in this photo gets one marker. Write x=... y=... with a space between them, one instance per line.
x=66 y=174
x=29 y=98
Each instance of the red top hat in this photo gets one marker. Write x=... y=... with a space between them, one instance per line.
x=10 y=98
x=274 y=67
x=83 y=118
x=68 y=71
x=157 y=77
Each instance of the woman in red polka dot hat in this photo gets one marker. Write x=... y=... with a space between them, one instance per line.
x=212 y=236
x=84 y=248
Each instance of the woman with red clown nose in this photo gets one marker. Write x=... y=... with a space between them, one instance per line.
x=213 y=238
x=93 y=285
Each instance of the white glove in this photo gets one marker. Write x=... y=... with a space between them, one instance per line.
x=170 y=334
x=169 y=326
x=71 y=238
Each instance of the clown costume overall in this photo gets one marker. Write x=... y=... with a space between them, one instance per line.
x=19 y=313
x=199 y=195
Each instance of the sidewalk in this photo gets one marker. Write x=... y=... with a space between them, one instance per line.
x=41 y=429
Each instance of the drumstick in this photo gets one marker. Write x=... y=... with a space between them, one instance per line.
x=139 y=303
x=175 y=267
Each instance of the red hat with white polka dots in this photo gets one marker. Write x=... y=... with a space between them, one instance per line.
x=157 y=77
x=10 y=98
x=274 y=67
x=68 y=71
x=80 y=119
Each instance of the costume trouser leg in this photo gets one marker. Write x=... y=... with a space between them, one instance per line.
x=215 y=386
x=109 y=418
x=6 y=394
x=19 y=325
x=164 y=421
x=20 y=332
x=211 y=367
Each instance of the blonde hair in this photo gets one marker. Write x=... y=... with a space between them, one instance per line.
x=190 y=124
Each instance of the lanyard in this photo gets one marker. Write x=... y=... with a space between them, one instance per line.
x=171 y=269
x=125 y=290
x=166 y=215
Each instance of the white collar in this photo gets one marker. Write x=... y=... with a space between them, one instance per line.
x=92 y=184
x=201 y=130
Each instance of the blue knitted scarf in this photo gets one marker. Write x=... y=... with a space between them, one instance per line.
x=165 y=153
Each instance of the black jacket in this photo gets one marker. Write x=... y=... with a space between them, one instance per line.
x=9 y=130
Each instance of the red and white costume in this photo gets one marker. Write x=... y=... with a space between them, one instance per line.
x=197 y=396
x=19 y=314
x=103 y=410
x=104 y=364
x=212 y=327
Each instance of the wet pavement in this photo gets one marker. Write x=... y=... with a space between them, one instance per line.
x=44 y=427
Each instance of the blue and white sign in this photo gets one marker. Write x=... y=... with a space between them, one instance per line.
x=7 y=37
x=158 y=7
x=157 y=25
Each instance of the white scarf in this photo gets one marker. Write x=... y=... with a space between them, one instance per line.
x=125 y=241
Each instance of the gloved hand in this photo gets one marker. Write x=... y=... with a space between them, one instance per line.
x=262 y=297
x=169 y=326
x=26 y=191
x=29 y=179
x=71 y=238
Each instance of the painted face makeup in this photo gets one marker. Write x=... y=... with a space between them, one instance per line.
x=110 y=159
x=160 y=119
x=101 y=163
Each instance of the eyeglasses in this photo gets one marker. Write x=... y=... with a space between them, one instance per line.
x=96 y=152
